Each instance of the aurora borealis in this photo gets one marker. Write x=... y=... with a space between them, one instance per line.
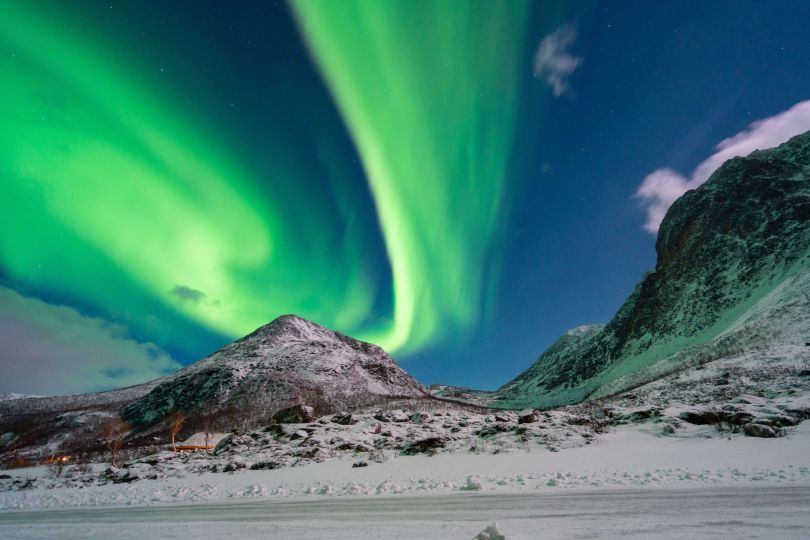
x=174 y=175
x=114 y=184
x=427 y=91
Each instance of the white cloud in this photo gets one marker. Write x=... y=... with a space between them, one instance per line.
x=553 y=62
x=663 y=186
x=53 y=349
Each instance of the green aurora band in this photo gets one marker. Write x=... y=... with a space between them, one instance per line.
x=100 y=178
x=104 y=181
x=428 y=91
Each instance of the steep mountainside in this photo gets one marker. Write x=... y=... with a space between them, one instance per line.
x=287 y=360
x=731 y=274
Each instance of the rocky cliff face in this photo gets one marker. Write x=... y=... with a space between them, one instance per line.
x=288 y=360
x=731 y=273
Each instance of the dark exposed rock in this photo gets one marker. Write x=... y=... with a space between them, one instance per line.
x=297 y=414
x=759 y=430
x=528 y=417
x=265 y=466
x=359 y=464
x=493 y=429
x=343 y=419
x=424 y=446
x=699 y=418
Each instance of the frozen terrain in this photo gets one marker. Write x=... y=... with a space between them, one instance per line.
x=631 y=482
x=715 y=512
x=720 y=449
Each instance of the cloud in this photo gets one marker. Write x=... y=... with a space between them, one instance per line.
x=664 y=186
x=552 y=61
x=53 y=349
x=185 y=293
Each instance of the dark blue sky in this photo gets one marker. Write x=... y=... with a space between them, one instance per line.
x=661 y=84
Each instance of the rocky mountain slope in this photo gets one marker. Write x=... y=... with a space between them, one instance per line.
x=290 y=360
x=731 y=275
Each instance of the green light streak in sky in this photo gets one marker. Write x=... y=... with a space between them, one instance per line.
x=99 y=177
x=112 y=196
x=428 y=92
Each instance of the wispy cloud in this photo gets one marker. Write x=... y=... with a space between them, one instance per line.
x=54 y=349
x=185 y=293
x=664 y=186
x=553 y=62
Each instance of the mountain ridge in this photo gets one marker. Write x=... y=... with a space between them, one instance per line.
x=721 y=248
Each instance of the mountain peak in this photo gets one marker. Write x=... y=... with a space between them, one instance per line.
x=291 y=326
x=274 y=366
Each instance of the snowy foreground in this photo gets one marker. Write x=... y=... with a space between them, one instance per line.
x=628 y=482
x=744 y=511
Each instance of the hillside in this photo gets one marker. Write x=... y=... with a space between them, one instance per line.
x=731 y=275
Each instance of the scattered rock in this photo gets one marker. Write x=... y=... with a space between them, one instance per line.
x=490 y=533
x=759 y=430
x=699 y=418
x=424 y=446
x=399 y=416
x=297 y=414
x=223 y=445
x=344 y=419
x=265 y=466
x=473 y=484
x=528 y=417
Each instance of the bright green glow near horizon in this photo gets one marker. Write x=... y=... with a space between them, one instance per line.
x=99 y=178
x=428 y=92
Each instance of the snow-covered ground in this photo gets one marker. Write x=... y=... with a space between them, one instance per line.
x=627 y=457
x=629 y=482
x=749 y=511
x=679 y=459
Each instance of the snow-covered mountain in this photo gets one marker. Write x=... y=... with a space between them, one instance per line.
x=288 y=360
x=733 y=274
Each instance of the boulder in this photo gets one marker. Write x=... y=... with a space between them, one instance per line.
x=528 y=417
x=344 y=419
x=399 y=416
x=359 y=464
x=300 y=434
x=700 y=417
x=265 y=466
x=759 y=430
x=428 y=445
x=297 y=414
x=223 y=445
x=490 y=533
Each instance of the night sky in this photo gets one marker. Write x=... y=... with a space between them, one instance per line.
x=458 y=182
